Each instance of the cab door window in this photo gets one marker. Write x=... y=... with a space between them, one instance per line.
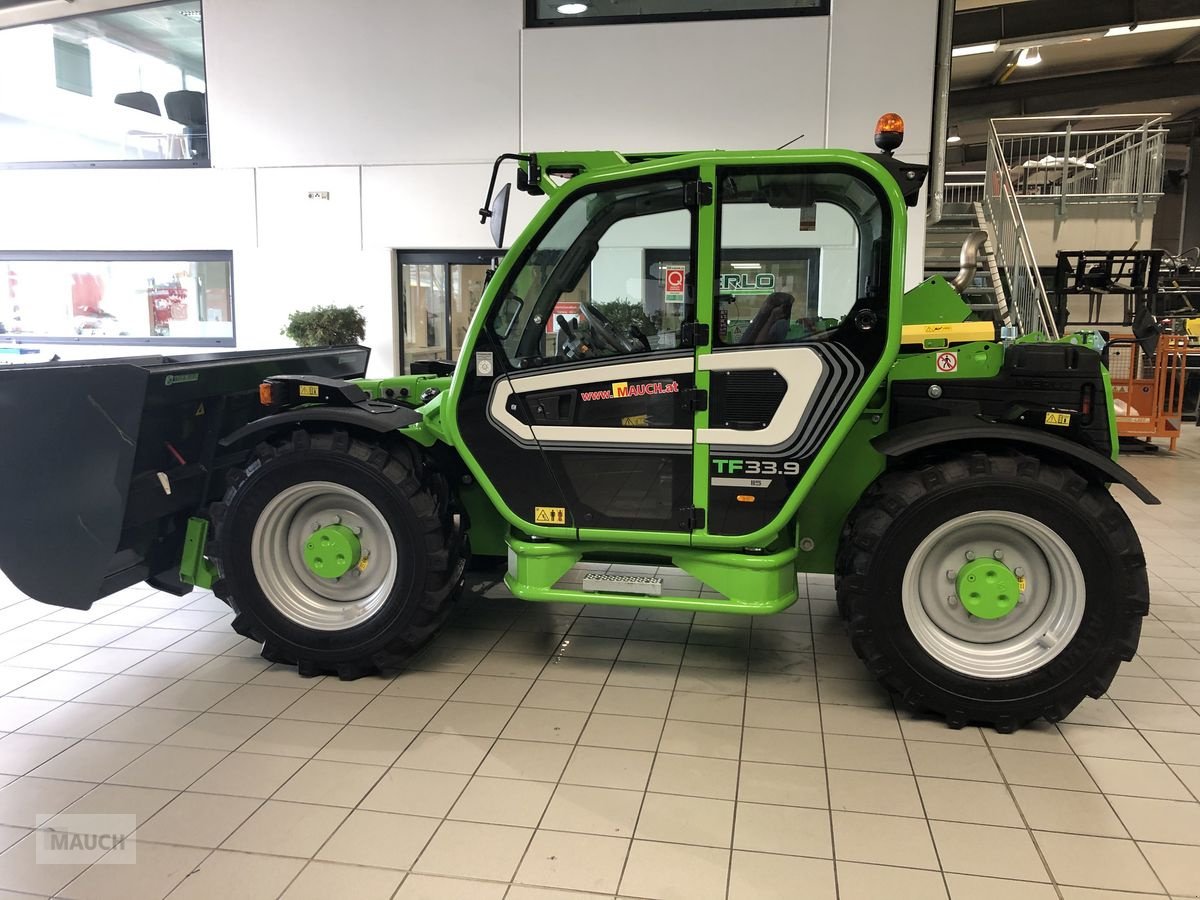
x=588 y=289
x=798 y=252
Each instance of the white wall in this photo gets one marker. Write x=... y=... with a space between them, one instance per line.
x=1104 y=226
x=397 y=109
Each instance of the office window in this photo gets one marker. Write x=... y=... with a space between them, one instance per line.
x=180 y=299
x=549 y=13
x=124 y=87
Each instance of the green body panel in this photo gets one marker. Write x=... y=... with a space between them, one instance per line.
x=406 y=388
x=751 y=583
x=823 y=513
x=194 y=568
x=934 y=301
x=987 y=588
x=1112 y=416
x=978 y=359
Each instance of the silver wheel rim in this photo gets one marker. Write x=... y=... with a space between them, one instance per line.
x=1033 y=633
x=276 y=553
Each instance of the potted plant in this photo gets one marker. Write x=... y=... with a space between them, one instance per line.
x=325 y=326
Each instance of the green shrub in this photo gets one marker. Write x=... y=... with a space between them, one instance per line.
x=326 y=326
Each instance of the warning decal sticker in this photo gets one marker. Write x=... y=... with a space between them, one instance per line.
x=947 y=362
x=549 y=515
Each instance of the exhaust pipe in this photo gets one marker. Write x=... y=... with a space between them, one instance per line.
x=968 y=259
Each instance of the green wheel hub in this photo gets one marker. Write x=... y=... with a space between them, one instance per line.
x=987 y=588
x=332 y=551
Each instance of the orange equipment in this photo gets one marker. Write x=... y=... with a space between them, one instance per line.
x=1148 y=387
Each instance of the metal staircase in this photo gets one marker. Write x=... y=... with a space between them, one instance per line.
x=943 y=241
x=1087 y=160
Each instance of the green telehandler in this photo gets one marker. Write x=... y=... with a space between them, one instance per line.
x=700 y=360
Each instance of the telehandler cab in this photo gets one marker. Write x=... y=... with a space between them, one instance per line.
x=701 y=360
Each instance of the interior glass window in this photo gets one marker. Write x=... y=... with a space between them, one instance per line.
x=799 y=251
x=117 y=298
x=120 y=86
x=610 y=277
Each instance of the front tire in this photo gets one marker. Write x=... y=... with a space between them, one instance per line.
x=1011 y=654
x=372 y=612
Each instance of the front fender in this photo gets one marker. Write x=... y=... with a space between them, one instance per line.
x=960 y=430
x=381 y=417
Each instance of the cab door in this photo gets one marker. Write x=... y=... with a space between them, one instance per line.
x=800 y=320
x=592 y=342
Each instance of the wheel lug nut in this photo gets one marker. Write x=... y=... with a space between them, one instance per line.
x=999 y=554
x=951 y=574
x=952 y=600
x=970 y=554
x=1019 y=572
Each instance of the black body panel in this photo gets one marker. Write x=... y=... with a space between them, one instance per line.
x=517 y=471
x=1035 y=379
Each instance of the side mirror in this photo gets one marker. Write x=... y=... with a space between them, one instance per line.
x=498 y=214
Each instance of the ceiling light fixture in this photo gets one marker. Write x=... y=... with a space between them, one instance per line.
x=1147 y=27
x=953 y=137
x=974 y=49
x=572 y=9
x=1030 y=56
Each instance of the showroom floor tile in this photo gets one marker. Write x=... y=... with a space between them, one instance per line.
x=550 y=752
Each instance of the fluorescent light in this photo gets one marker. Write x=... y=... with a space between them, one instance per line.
x=974 y=49
x=1029 y=57
x=746 y=265
x=1147 y=27
x=572 y=9
x=953 y=137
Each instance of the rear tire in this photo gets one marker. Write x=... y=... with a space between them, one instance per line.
x=1081 y=616
x=375 y=616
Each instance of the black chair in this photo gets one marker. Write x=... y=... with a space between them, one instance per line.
x=138 y=100
x=770 y=323
x=188 y=109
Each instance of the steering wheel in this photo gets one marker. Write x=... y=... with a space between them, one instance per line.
x=605 y=331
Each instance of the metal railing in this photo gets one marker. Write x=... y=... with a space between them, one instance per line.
x=1087 y=159
x=1028 y=304
x=963 y=187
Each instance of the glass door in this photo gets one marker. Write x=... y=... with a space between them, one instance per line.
x=439 y=292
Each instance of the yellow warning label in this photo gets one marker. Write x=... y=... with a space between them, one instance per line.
x=309 y=390
x=200 y=410
x=549 y=515
x=1058 y=418
x=1021 y=584
x=635 y=421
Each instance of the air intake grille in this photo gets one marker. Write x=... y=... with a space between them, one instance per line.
x=744 y=400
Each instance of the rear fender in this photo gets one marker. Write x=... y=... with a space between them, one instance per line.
x=964 y=431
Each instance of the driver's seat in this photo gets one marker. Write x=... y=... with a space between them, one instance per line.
x=770 y=323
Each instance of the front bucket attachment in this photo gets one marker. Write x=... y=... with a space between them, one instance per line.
x=102 y=462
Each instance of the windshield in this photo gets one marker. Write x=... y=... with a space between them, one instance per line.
x=588 y=287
